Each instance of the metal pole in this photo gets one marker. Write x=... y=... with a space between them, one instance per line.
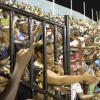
x=97 y=16
x=32 y=59
x=66 y=50
x=55 y=43
x=53 y=8
x=11 y=40
x=66 y=46
x=45 y=83
x=92 y=14
x=66 y=53
x=84 y=9
x=71 y=4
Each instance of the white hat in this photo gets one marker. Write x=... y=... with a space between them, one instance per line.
x=22 y=22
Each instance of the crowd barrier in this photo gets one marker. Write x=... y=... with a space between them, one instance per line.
x=65 y=36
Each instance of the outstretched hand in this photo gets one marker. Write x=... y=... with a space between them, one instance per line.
x=90 y=78
x=23 y=57
x=98 y=73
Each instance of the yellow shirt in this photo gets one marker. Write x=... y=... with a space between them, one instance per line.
x=5 y=21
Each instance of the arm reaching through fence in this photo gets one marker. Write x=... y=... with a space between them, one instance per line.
x=12 y=87
x=54 y=78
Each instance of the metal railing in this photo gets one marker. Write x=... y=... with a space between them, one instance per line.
x=44 y=21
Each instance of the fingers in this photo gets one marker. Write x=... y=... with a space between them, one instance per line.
x=93 y=79
x=98 y=73
x=26 y=52
x=18 y=53
x=98 y=78
x=24 y=55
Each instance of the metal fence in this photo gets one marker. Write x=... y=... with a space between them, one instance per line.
x=65 y=36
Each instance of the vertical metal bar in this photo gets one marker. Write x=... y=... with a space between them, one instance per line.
x=64 y=51
x=99 y=15
x=55 y=43
x=31 y=62
x=80 y=54
x=66 y=54
x=92 y=12
x=11 y=40
x=66 y=46
x=45 y=83
x=0 y=21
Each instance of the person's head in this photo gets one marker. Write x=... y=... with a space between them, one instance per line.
x=23 y=27
x=49 y=30
x=5 y=13
x=39 y=51
x=76 y=68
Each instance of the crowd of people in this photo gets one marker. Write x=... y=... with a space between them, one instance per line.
x=84 y=41
x=35 y=10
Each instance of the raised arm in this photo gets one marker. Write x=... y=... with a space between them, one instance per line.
x=22 y=59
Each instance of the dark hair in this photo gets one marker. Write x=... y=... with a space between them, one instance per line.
x=89 y=62
x=38 y=47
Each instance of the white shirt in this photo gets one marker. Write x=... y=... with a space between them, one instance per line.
x=75 y=88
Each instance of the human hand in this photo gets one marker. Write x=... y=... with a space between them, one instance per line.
x=90 y=78
x=23 y=57
x=37 y=30
x=97 y=73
